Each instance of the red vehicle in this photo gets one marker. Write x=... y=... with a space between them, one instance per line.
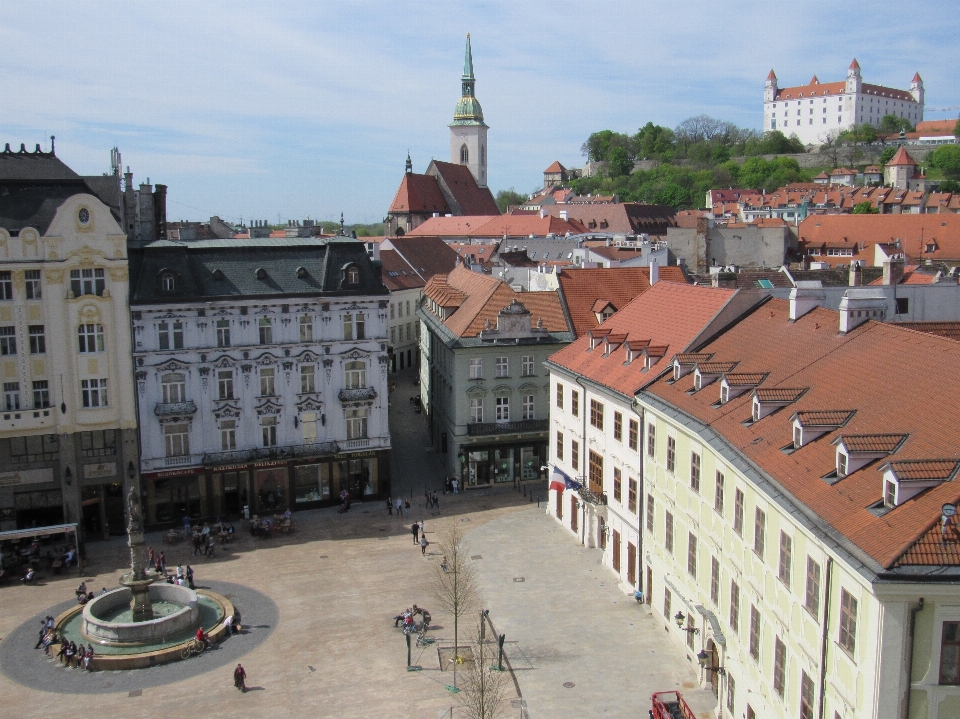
x=670 y=705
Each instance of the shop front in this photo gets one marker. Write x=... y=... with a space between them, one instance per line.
x=486 y=465
x=265 y=487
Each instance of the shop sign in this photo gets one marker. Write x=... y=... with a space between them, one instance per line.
x=96 y=471
x=173 y=473
x=355 y=455
x=27 y=476
x=274 y=463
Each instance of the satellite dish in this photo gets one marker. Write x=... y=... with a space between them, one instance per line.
x=948 y=510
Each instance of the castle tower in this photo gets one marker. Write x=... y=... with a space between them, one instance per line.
x=916 y=89
x=853 y=77
x=770 y=90
x=468 y=132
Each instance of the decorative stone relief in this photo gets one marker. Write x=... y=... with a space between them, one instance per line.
x=53 y=277
x=119 y=274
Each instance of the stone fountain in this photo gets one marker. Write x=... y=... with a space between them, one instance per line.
x=139 y=579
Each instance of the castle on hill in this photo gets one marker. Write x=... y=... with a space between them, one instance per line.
x=813 y=110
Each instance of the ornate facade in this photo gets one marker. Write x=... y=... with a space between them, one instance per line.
x=261 y=372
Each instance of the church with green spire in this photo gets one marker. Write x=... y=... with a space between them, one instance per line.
x=468 y=131
x=456 y=188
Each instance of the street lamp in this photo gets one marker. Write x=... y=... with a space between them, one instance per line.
x=702 y=658
x=679 y=618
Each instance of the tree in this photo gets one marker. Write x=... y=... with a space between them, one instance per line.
x=947 y=159
x=956 y=130
x=832 y=145
x=893 y=125
x=619 y=163
x=506 y=198
x=483 y=691
x=455 y=588
x=950 y=186
x=865 y=208
x=654 y=142
x=887 y=155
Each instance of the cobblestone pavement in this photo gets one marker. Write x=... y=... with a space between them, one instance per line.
x=567 y=621
x=336 y=582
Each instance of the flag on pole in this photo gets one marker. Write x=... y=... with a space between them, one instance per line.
x=560 y=481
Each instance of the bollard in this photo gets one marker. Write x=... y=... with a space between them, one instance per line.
x=408 y=650
x=524 y=490
x=500 y=655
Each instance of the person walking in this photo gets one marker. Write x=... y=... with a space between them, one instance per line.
x=186 y=525
x=399 y=508
x=426 y=494
x=197 y=544
x=414 y=530
x=423 y=545
x=190 y=577
x=406 y=508
x=455 y=483
x=390 y=506
x=436 y=501
x=240 y=678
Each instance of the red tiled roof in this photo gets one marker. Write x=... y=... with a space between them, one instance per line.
x=620 y=218
x=480 y=298
x=423 y=256
x=913 y=231
x=715 y=367
x=935 y=127
x=780 y=394
x=872 y=442
x=902 y=158
x=824 y=417
x=555 y=168
x=472 y=199
x=744 y=379
x=397 y=274
x=810 y=352
x=419 y=194
x=654 y=316
x=950 y=330
x=580 y=288
x=460 y=226
x=693 y=357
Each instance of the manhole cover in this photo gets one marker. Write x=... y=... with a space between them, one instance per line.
x=465 y=519
x=135 y=693
x=569 y=685
x=519 y=579
x=475 y=556
x=323 y=556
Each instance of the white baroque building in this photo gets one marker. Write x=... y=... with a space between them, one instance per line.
x=814 y=110
x=261 y=372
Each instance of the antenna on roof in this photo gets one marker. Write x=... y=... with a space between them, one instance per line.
x=53 y=148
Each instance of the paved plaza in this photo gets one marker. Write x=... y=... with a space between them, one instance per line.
x=322 y=642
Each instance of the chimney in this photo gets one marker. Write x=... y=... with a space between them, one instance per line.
x=892 y=271
x=859 y=305
x=543 y=213
x=654 y=272
x=856 y=276
x=804 y=297
x=564 y=215
x=128 y=180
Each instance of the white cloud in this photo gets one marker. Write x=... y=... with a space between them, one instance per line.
x=255 y=108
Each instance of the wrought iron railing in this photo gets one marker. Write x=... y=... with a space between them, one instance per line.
x=167 y=408
x=238 y=456
x=591 y=497
x=358 y=394
x=524 y=425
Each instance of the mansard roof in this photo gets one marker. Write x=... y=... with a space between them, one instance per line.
x=267 y=267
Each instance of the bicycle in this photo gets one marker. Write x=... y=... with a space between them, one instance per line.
x=194 y=646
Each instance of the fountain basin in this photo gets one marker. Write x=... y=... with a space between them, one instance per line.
x=99 y=624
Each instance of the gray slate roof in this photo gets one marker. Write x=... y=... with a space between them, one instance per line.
x=37 y=165
x=34 y=204
x=195 y=266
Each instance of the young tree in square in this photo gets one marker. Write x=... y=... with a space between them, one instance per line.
x=455 y=583
x=483 y=692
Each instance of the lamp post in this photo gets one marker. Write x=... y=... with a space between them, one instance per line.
x=679 y=618
x=703 y=658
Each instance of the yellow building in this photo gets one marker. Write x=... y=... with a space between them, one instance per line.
x=68 y=432
x=797 y=510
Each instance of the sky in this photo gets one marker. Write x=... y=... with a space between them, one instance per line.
x=292 y=109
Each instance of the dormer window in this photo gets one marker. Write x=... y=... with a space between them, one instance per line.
x=797 y=436
x=168 y=282
x=841 y=464
x=218 y=275
x=353 y=275
x=725 y=394
x=889 y=493
x=302 y=272
x=261 y=273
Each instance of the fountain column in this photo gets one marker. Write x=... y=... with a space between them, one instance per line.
x=138 y=580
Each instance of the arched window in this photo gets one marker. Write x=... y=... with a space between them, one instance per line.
x=174 y=387
x=353 y=275
x=168 y=282
x=464 y=155
x=356 y=375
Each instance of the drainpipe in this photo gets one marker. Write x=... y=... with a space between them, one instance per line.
x=584 y=459
x=823 y=636
x=913 y=622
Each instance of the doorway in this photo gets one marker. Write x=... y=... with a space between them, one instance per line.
x=646 y=589
x=714 y=662
x=602 y=537
x=631 y=564
x=616 y=551
x=560 y=506
x=574 y=514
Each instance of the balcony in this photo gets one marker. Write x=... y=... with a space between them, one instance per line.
x=478 y=429
x=357 y=395
x=591 y=497
x=165 y=409
x=177 y=461
x=355 y=443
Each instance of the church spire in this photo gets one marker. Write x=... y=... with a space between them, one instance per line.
x=468 y=61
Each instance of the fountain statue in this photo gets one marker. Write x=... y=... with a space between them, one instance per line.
x=140 y=577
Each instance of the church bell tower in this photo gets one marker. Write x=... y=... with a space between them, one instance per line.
x=468 y=132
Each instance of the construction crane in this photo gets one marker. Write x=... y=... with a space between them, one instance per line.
x=941 y=109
